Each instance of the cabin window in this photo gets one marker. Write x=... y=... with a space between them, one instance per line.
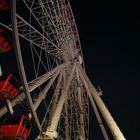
x=13 y=120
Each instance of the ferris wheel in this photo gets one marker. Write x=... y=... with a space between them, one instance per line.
x=55 y=88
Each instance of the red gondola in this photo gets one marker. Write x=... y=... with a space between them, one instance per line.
x=5 y=41
x=16 y=126
x=4 y=5
x=9 y=87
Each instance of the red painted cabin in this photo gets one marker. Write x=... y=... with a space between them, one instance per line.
x=9 y=87
x=5 y=41
x=16 y=126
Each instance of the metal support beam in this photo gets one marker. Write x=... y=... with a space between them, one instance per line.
x=94 y=108
x=117 y=134
x=43 y=93
x=51 y=131
x=56 y=96
x=82 y=129
x=40 y=80
x=67 y=133
x=9 y=107
x=15 y=101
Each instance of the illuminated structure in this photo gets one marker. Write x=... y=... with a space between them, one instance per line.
x=51 y=68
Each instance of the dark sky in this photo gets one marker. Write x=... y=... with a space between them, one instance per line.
x=109 y=33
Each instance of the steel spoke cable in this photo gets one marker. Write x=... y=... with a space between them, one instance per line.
x=30 y=9
x=36 y=31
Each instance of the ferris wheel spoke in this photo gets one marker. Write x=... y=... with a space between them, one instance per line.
x=57 y=94
x=67 y=132
x=56 y=116
x=51 y=130
x=39 y=62
x=41 y=98
x=53 y=103
x=43 y=93
x=36 y=17
x=37 y=40
x=34 y=32
x=80 y=103
x=40 y=80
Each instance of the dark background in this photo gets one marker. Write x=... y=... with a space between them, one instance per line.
x=109 y=33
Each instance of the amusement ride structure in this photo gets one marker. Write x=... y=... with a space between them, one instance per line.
x=54 y=90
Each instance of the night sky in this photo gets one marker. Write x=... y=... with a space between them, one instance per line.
x=109 y=33
x=110 y=39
